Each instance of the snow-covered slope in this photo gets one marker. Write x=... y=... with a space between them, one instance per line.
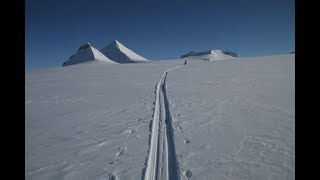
x=230 y=53
x=226 y=119
x=210 y=55
x=87 y=53
x=121 y=54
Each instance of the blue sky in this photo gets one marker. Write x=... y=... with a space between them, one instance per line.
x=157 y=29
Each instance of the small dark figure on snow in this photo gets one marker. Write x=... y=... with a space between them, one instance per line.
x=185 y=62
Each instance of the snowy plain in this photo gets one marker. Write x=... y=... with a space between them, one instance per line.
x=227 y=119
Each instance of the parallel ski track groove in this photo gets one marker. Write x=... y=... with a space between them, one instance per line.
x=162 y=162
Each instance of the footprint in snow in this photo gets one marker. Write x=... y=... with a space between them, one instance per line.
x=121 y=152
x=132 y=131
x=112 y=177
x=189 y=174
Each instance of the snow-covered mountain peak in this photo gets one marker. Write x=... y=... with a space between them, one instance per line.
x=121 y=54
x=215 y=54
x=120 y=46
x=116 y=44
x=216 y=51
x=84 y=46
x=87 y=53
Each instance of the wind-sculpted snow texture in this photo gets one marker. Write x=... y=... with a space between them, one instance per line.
x=230 y=119
x=239 y=117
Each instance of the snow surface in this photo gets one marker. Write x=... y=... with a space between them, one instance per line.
x=121 y=54
x=162 y=160
x=87 y=53
x=209 y=55
x=231 y=119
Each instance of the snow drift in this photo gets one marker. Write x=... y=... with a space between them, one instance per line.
x=211 y=55
x=121 y=54
x=87 y=53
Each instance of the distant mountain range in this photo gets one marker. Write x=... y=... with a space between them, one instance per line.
x=113 y=53
x=211 y=55
x=117 y=53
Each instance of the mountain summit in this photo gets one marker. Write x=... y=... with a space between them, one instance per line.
x=121 y=54
x=86 y=53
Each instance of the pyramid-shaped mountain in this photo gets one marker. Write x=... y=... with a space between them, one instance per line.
x=121 y=54
x=87 y=53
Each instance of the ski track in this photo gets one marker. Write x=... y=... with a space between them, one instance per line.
x=162 y=161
